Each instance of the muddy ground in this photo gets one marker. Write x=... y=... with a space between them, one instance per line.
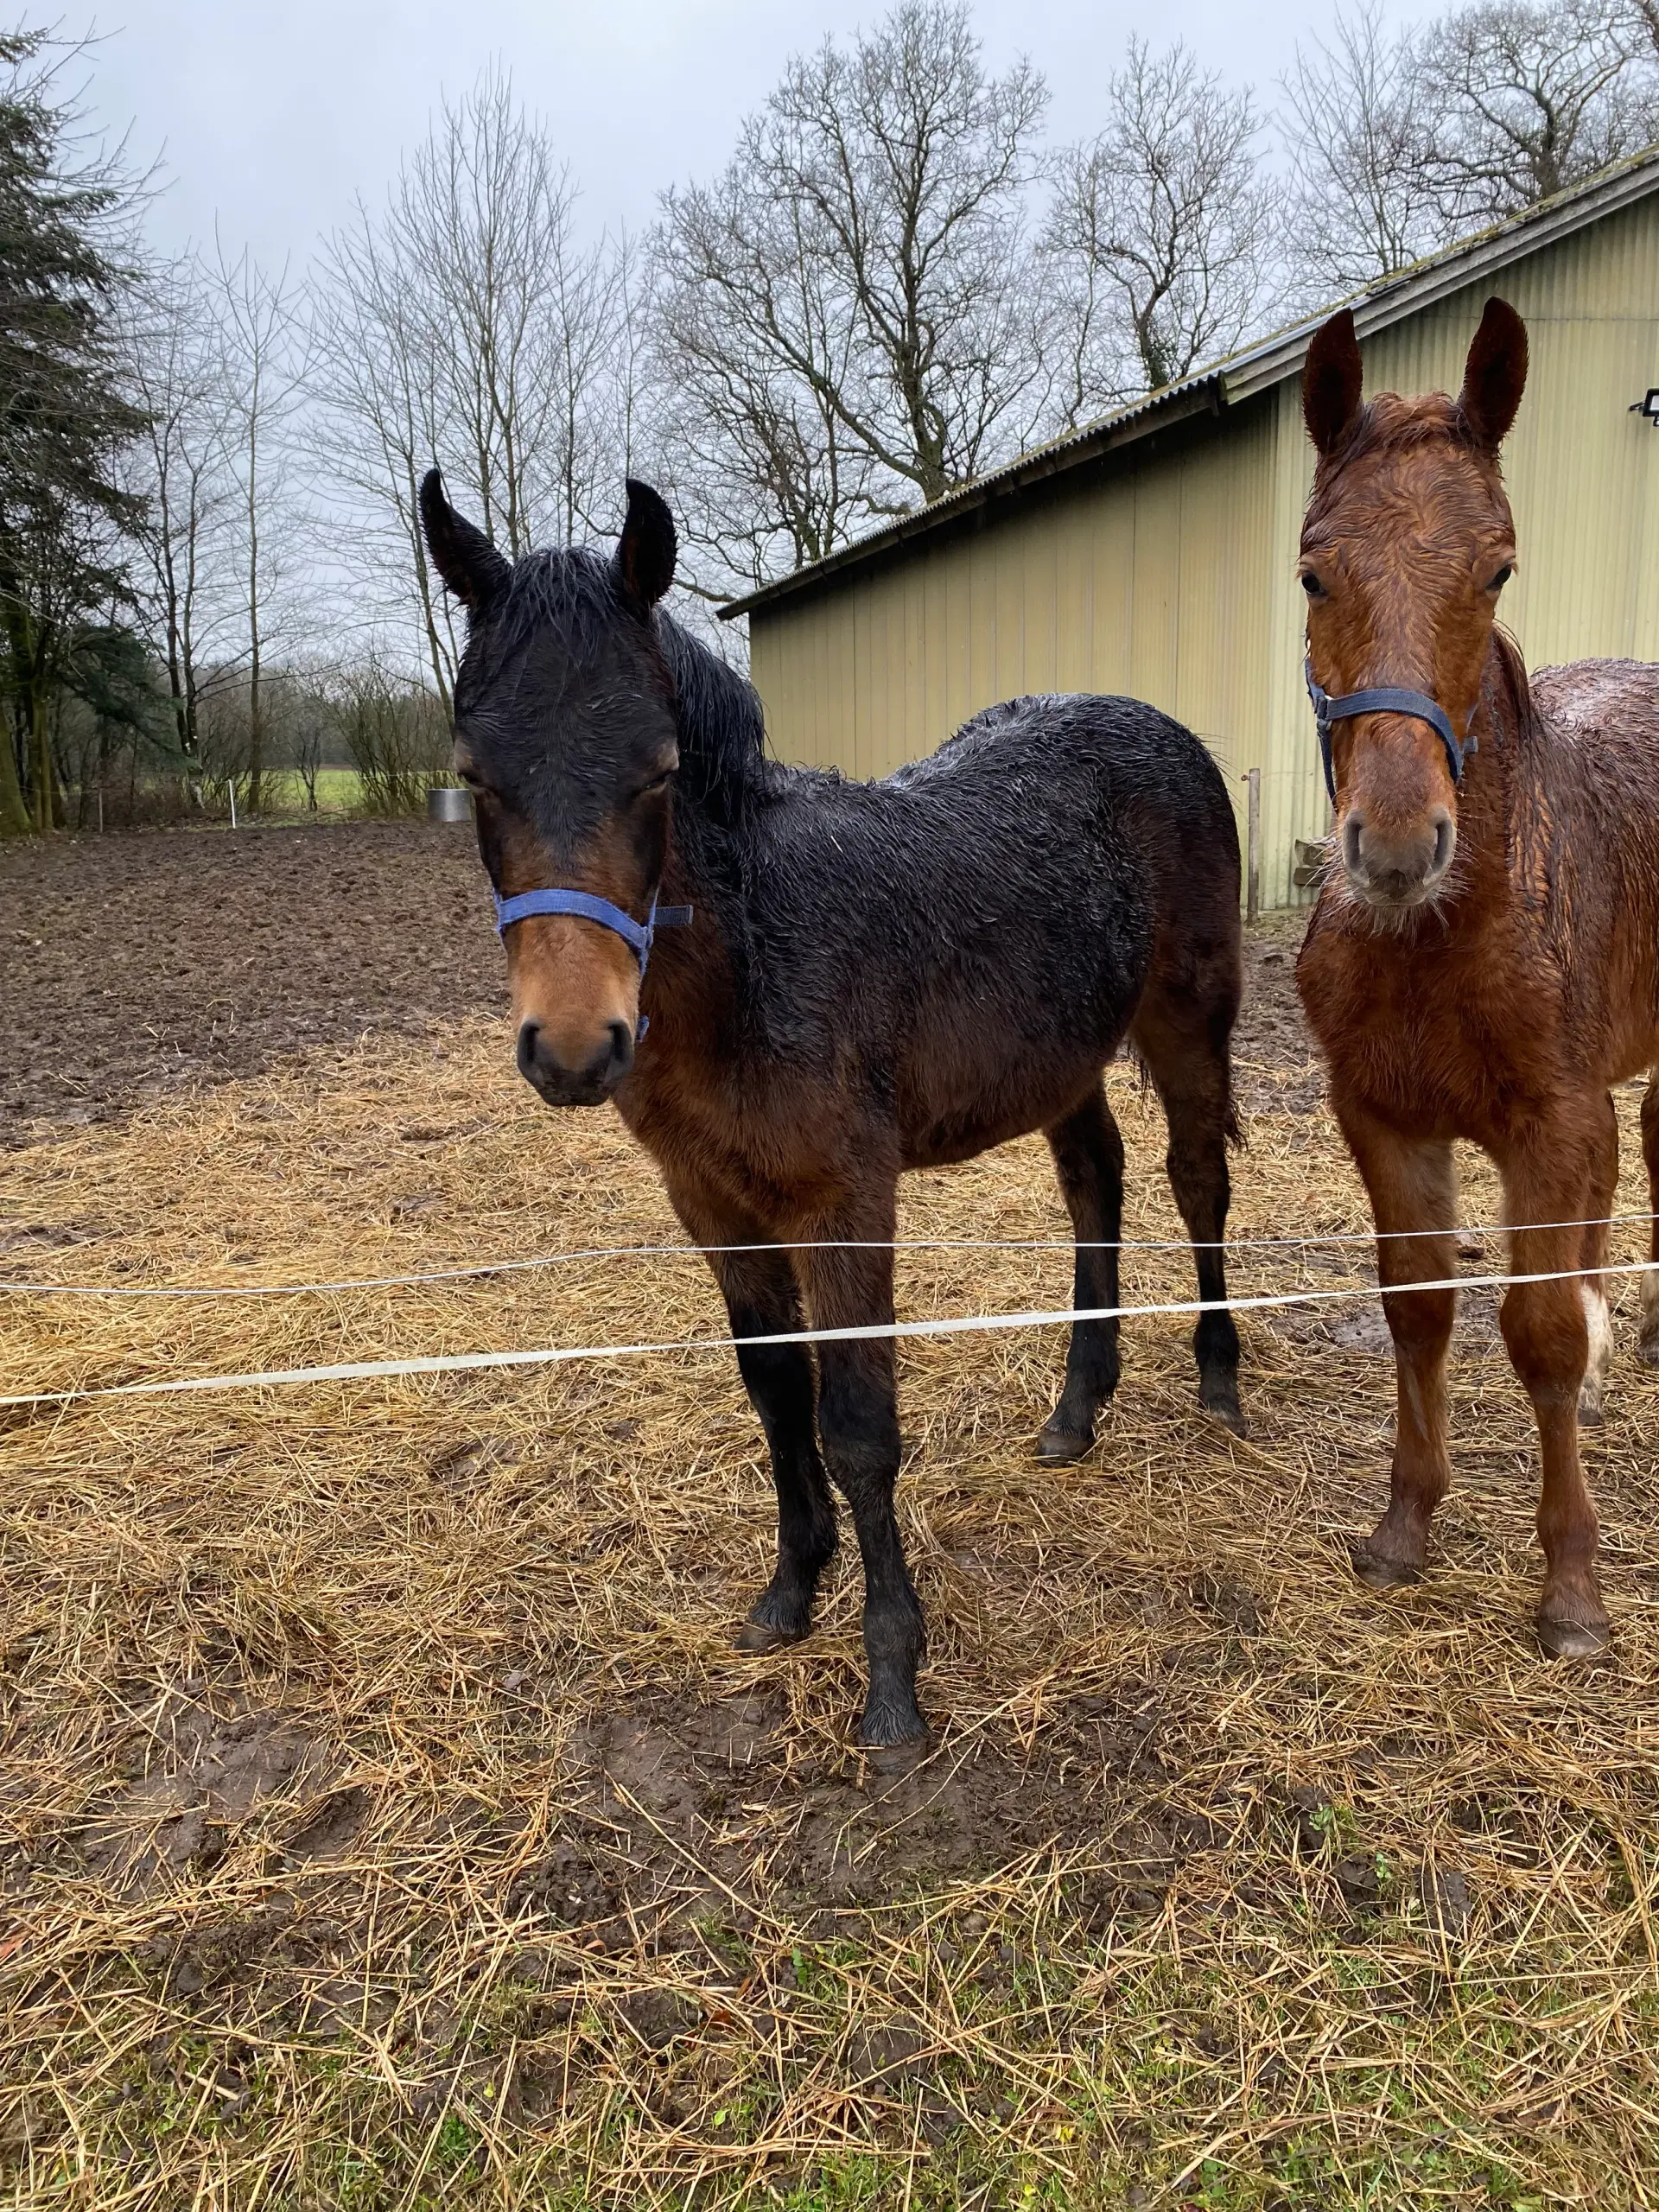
x=160 y=961
x=157 y=964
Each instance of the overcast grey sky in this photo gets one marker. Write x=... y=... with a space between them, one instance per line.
x=273 y=115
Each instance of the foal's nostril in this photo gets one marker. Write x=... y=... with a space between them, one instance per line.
x=529 y=1037
x=1352 y=830
x=1445 y=837
x=621 y=1050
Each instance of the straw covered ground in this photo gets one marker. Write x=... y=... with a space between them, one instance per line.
x=387 y=1821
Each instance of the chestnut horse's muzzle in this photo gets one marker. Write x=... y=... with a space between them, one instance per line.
x=1394 y=868
x=1388 y=700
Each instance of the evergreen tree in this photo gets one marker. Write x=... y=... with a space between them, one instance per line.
x=64 y=417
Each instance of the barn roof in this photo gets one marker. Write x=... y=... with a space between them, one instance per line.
x=1212 y=390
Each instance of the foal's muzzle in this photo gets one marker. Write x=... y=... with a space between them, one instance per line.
x=1394 y=866
x=562 y=1083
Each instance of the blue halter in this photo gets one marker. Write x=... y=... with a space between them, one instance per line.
x=637 y=936
x=1327 y=710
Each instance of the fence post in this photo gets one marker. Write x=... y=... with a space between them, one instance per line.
x=1253 y=846
x=232 y=802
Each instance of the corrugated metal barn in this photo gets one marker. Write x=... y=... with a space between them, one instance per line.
x=1155 y=552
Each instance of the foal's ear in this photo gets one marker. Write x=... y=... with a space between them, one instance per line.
x=1331 y=382
x=1494 y=378
x=462 y=554
x=645 y=553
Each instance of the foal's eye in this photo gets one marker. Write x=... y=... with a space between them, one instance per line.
x=1311 y=585
x=1501 y=578
x=656 y=784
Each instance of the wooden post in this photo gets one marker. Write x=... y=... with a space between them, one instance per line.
x=1253 y=847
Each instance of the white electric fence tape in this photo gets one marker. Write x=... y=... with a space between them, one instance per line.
x=468 y=1362
x=483 y=1267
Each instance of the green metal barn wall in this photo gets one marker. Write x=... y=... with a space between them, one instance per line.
x=1175 y=577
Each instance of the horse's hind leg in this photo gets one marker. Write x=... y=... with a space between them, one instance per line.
x=1650 y=1279
x=1596 y=1238
x=1182 y=1038
x=1088 y=1161
x=1548 y=1172
x=762 y=1300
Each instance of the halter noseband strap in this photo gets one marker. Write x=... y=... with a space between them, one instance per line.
x=637 y=936
x=1327 y=710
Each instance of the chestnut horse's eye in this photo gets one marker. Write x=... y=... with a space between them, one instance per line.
x=1501 y=578
x=1311 y=585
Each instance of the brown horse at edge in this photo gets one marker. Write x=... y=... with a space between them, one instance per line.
x=1484 y=959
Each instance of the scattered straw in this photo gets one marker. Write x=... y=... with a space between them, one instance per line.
x=385 y=1819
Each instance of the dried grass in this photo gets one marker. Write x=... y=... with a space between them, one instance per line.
x=385 y=1819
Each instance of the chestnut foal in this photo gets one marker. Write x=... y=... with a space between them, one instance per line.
x=1484 y=960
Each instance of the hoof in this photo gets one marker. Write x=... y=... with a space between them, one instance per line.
x=1572 y=1639
x=1648 y=1350
x=1379 y=1573
x=761 y=1636
x=773 y=1623
x=892 y=1726
x=892 y=1762
x=1058 y=1448
x=1591 y=1412
x=1224 y=1406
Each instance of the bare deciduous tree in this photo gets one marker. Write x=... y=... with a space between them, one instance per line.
x=848 y=308
x=466 y=324
x=262 y=379
x=1161 y=231
x=749 y=353
x=177 y=468
x=1524 y=100
x=1359 y=133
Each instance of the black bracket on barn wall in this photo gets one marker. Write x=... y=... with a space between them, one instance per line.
x=1648 y=405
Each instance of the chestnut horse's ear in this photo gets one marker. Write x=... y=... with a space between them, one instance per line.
x=1495 y=377
x=645 y=551
x=462 y=554
x=1331 y=382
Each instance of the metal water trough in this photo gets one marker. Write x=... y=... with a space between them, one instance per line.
x=448 y=803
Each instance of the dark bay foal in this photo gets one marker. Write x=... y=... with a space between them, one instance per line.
x=875 y=977
x=1484 y=960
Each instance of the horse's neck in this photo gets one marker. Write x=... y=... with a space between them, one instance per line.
x=719 y=727
x=1491 y=787
x=701 y=976
x=722 y=769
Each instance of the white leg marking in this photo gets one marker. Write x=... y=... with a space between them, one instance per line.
x=1592 y=1395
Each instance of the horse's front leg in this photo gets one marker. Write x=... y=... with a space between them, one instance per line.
x=1596 y=1238
x=762 y=1300
x=848 y=1286
x=1649 y=1337
x=1413 y=1189
x=1545 y=1326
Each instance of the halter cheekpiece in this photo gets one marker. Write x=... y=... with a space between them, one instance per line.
x=637 y=936
x=1421 y=709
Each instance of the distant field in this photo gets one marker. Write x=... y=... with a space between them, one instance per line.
x=340 y=790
